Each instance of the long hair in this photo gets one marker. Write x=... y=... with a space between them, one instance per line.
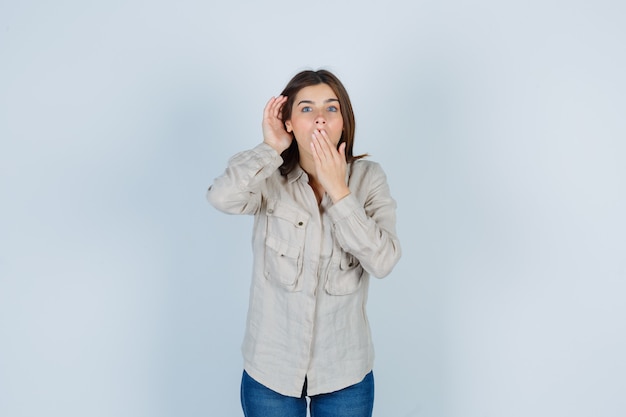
x=308 y=78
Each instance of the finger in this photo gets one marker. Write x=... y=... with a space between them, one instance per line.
x=329 y=148
x=322 y=145
x=268 y=107
x=283 y=101
x=315 y=145
x=342 y=150
x=327 y=140
x=278 y=105
x=273 y=106
x=315 y=151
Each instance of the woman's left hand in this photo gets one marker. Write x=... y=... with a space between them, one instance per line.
x=330 y=165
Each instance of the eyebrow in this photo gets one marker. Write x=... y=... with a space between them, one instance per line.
x=330 y=100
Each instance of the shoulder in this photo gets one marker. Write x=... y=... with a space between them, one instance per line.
x=366 y=168
x=366 y=176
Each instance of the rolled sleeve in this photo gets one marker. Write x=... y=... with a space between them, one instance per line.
x=238 y=189
x=364 y=224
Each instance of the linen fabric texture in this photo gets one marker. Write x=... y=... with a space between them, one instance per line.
x=311 y=267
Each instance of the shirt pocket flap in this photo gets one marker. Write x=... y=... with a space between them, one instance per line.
x=297 y=217
x=283 y=263
x=281 y=247
x=347 y=279
x=348 y=262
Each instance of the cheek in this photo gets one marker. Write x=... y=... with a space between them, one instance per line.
x=338 y=125
x=337 y=121
x=301 y=132
x=302 y=125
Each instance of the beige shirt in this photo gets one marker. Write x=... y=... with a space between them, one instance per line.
x=307 y=315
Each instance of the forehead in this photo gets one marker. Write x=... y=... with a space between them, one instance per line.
x=315 y=93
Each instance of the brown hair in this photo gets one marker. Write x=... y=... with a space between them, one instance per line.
x=305 y=79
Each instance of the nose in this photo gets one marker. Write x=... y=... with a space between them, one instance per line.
x=320 y=120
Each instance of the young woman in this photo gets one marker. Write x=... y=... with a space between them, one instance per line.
x=324 y=221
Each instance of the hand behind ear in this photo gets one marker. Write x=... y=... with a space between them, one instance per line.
x=274 y=132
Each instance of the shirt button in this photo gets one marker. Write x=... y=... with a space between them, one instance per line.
x=300 y=223
x=270 y=211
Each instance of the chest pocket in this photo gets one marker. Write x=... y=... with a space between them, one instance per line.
x=347 y=278
x=284 y=244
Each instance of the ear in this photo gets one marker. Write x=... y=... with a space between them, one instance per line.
x=288 y=126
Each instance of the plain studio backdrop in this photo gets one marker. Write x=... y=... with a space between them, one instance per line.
x=500 y=124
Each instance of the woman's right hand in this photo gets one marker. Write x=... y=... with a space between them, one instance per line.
x=274 y=133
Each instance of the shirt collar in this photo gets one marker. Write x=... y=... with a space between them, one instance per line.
x=296 y=173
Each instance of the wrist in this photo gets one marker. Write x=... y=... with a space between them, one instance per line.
x=279 y=149
x=339 y=193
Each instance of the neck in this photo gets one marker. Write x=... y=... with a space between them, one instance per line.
x=308 y=166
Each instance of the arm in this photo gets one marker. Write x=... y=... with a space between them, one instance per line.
x=238 y=190
x=365 y=222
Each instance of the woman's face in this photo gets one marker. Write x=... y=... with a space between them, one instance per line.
x=315 y=108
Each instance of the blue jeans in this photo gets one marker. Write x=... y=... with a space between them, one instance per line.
x=354 y=401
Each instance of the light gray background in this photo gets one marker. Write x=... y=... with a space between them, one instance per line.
x=501 y=125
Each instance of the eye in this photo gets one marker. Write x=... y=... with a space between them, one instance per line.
x=333 y=109
x=306 y=109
